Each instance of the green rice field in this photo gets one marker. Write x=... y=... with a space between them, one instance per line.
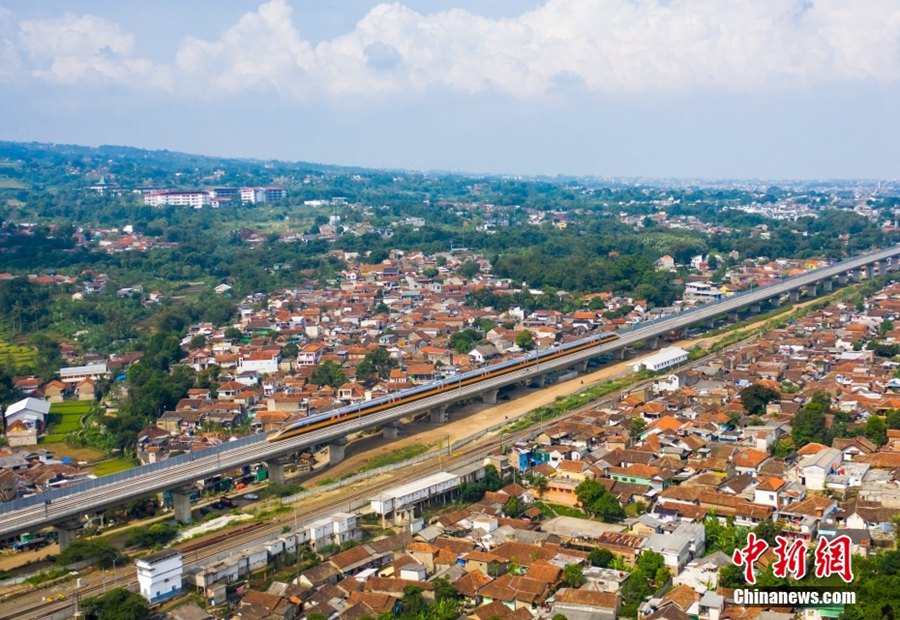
x=65 y=418
x=15 y=357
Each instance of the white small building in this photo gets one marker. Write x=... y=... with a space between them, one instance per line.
x=263 y=362
x=159 y=575
x=345 y=527
x=408 y=495
x=665 y=358
x=816 y=467
x=32 y=412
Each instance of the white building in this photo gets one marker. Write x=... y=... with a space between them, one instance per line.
x=263 y=362
x=256 y=195
x=76 y=374
x=665 y=358
x=817 y=467
x=159 y=575
x=408 y=495
x=32 y=412
x=701 y=292
x=197 y=200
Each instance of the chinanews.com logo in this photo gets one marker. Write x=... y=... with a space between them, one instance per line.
x=830 y=557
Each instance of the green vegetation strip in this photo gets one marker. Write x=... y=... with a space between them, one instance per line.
x=550 y=510
x=395 y=456
x=568 y=403
x=80 y=407
x=112 y=466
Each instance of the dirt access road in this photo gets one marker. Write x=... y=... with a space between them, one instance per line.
x=475 y=416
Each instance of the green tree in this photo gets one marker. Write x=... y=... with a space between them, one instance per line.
x=290 y=350
x=468 y=269
x=661 y=576
x=755 y=398
x=328 y=373
x=634 y=591
x=731 y=576
x=809 y=423
x=600 y=557
x=573 y=576
x=876 y=430
x=608 y=508
x=377 y=363
x=492 y=478
x=117 y=604
x=784 y=447
x=157 y=534
x=98 y=550
x=465 y=340
x=413 y=602
x=443 y=589
x=767 y=530
x=595 y=500
x=893 y=419
x=636 y=426
x=232 y=333
x=513 y=508
x=524 y=339
x=650 y=561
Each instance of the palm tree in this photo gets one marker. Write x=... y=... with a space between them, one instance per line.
x=540 y=484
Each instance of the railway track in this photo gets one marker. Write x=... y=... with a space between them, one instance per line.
x=221 y=543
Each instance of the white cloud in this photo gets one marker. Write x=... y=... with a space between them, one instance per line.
x=602 y=45
x=74 y=48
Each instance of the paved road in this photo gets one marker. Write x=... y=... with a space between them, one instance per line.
x=142 y=481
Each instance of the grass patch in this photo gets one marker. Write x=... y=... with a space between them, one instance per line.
x=550 y=510
x=568 y=403
x=112 y=466
x=395 y=456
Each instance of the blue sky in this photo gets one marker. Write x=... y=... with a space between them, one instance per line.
x=637 y=88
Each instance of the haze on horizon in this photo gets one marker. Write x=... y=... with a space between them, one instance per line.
x=629 y=88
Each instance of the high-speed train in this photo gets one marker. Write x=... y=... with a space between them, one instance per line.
x=322 y=420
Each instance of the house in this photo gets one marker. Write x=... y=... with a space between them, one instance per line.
x=748 y=461
x=56 y=391
x=31 y=412
x=816 y=467
x=679 y=547
x=359 y=558
x=86 y=390
x=159 y=575
x=767 y=491
x=483 y=353
x=263 y=362
x=583 y=604
x=310 y=354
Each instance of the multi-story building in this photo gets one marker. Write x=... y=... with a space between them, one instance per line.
x=196 y=199
x=256 y=195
